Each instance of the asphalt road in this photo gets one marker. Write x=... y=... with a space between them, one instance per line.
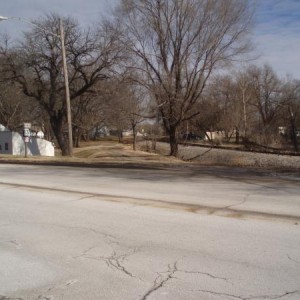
x=116 y=233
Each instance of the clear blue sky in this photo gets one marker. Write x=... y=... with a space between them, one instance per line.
x=276 y=35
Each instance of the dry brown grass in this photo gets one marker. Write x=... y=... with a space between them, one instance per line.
x=98 y=152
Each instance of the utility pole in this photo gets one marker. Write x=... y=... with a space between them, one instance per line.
x=65 y=70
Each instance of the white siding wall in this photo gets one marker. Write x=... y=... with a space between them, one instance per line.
x=36 y=146
x=6 y=142
x=16 y=145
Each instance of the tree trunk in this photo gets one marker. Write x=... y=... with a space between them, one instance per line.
x=237 y=136
x=57 y=128
x=153 y=143
x=173 y=141
x=293 y=131
x=120 y=135
x=245 y=113
x=208 y=136
x=134 y=137
x=97 y=129
x=86 y=136
x=77 y=137
x=294 y=139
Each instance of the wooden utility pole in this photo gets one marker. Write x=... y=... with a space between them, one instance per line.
x=68 y=102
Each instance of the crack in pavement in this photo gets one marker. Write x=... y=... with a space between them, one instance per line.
x=231 y=296
x=55 y=287
x=15 y=243
x=240 y=203
x=163 y=203
x=203 y=273
x=292 y=259
x=114 y=261
x=160 y=281
x=85 y=252
x=82 y=198
x=64 y=285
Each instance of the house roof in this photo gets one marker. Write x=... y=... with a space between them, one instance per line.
x=3 y=128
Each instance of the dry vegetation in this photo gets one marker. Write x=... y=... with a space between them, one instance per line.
x=105 y=153
x=97 y=153
x=233 y=158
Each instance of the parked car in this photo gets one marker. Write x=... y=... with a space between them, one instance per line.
x=191 y=137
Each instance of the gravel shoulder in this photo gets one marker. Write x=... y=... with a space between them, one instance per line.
x=233 y=158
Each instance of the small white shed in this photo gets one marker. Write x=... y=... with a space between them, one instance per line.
x=13 y=143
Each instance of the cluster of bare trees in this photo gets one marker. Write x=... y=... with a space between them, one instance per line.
x=154 y=58
x=254 y=105
x=35 y=65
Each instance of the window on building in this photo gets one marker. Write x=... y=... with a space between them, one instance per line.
x=6 y=146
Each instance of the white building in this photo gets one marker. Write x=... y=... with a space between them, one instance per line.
x=13 y=143
x=214 y=135
x=130 y=133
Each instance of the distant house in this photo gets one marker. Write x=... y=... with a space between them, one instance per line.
x=129 y=132
x=99 y=131
x=214 y=135
x=220 y=135
x=13 y=143
x=282 y=130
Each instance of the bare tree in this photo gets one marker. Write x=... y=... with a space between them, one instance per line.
x=290 y=102
x=225 y=108
x=125 y=107
x=133 y=107
x=266 y=93
x=236 y=95
x=209 y=118
x=244 y=94
x=11 y=108
x=15 y=107
x=37 y=67
x=88 y=113
x=177 y=44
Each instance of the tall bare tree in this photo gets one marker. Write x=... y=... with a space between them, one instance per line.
x=177 y=44
x=266 y=94
x=125 y=107
x=36 y=65
x=236 y=94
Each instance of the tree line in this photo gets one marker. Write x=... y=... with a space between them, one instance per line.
x=156 y=59
x=252 y=105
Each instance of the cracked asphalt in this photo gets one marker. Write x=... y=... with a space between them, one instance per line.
x=117 y=233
